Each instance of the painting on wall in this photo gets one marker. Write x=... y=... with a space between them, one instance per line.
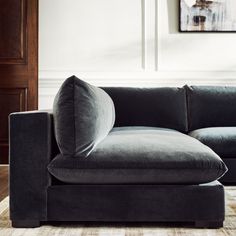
x=207 y=16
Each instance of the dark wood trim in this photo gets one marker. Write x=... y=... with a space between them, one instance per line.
x=23 y=38
x=18 y=75
x=33 y=55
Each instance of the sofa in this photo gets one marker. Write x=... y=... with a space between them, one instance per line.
x=119 y=154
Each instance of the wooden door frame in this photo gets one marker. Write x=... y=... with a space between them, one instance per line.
x=19 y=68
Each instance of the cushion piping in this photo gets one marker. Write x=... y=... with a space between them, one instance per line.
x=74 y=117
x=176 y=168
x=187 y=88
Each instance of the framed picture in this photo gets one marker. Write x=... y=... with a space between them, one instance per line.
x=207 y=16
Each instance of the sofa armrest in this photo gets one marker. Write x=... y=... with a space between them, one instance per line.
x=30 y=153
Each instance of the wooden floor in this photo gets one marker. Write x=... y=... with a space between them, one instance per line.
x=3 y=182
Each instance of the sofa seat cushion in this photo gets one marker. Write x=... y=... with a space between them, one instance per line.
x=142 y=155
x=222 y=140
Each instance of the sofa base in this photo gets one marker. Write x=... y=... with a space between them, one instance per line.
x=200 y=204
x=203 y=205
x=210 y=225
x=25 y=223
x=35 y=223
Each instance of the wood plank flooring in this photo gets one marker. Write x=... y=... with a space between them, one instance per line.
x=3 y=182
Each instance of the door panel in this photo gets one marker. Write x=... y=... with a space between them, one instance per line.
x=18 y=62
x=13 y=31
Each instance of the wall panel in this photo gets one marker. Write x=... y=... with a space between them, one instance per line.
x=127 y=43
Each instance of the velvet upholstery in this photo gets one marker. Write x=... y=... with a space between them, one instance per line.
x=155 y=107
x=221 y=140
x=30 y=153
x=37 y=196
x=137 y=203
x=211 y=106
x=83 y=115
x=142 y=155
x=230 y=176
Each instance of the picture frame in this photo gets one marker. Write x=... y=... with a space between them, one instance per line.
x=217 y=16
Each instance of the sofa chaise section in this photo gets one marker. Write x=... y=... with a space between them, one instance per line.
x=73 y=165
x=212 y=120
x=43 y=198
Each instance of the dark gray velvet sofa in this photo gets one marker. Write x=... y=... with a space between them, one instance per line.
x=123 y=155
x=212 y=120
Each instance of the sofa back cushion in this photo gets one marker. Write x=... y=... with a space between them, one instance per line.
x=156 y=107
x=83 y=116
x=211 y=106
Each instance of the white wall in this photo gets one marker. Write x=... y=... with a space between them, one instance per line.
x=127 y=43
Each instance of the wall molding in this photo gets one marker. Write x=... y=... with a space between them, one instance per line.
x=143 y=32
x=149 y=29
x=156 y=36
x=50 y=81
x=53 y=79
x=150 y=72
